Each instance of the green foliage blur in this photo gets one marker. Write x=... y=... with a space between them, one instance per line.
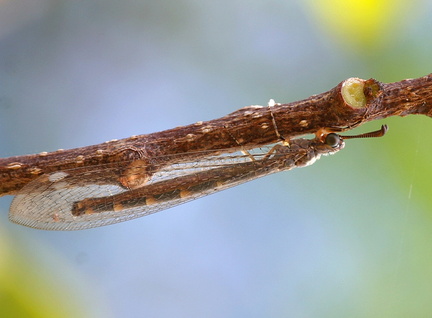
x=29 y=288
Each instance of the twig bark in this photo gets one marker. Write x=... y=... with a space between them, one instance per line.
x=348 y=105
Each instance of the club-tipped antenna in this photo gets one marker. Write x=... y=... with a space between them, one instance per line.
x=373 y=134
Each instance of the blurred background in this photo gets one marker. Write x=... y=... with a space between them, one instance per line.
x=348 y=236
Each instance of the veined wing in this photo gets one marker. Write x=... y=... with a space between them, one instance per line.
x=79 y=198
x=52 y=201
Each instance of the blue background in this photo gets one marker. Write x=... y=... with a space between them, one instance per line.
x=348 y=236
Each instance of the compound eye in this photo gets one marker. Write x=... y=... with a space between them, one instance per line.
x=333 y=140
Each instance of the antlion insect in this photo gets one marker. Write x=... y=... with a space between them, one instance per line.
x=124 y=179
x=86 y=197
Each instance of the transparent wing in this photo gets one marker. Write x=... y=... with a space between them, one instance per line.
x=84 y=198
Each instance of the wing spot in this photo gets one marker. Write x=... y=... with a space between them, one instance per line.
x=89 y=211
x=151 y=200
x=118 y=207
x=185 y=193
x=135 y=175
x=56 y=217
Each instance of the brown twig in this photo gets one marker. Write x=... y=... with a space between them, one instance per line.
x=348 y=105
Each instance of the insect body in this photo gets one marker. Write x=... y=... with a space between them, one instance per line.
x=78 y=198
x=87 y=197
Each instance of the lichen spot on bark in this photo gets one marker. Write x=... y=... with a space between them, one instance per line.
x=353 y=92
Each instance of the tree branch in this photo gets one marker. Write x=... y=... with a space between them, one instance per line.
x=348 y=105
